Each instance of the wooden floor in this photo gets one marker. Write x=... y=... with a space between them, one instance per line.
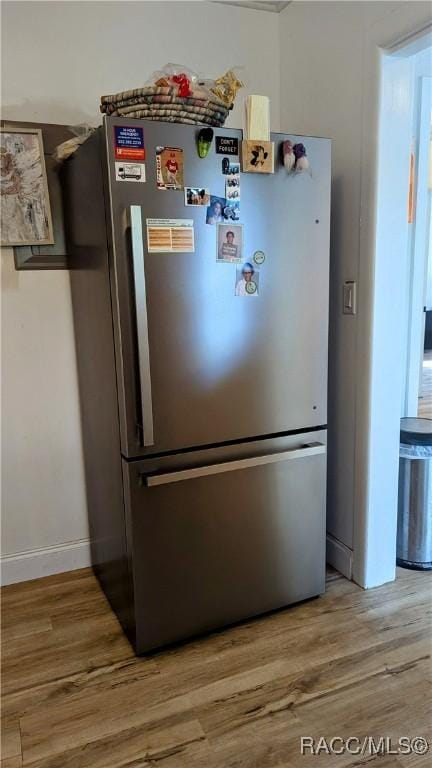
x=352 y=663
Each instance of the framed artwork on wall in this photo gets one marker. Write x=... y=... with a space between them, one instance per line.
x=24 y=197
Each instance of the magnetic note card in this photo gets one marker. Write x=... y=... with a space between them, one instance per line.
x=170 y=236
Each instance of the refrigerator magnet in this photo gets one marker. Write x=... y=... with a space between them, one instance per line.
x=259 y=257
x=197 y=196
x=169 y=168
x=215 y=211
x=130 y=172
x=225 y=165
x=247 y=280
x=221 y=210
x=231 y=211
x=288 y=155
x=232 y=182
x=129 y=143
x=230 y=243
x=295 y=157
x=301 y=161
x=204 y=140
x=257 y=156
x=170 y=236
x=226 y=145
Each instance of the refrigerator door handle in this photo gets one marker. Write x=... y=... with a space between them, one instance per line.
x=312 y=449
x=141 y=323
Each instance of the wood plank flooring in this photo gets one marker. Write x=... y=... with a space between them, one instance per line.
x=351 y=663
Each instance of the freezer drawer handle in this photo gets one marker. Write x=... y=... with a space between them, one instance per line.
x=142 y=324
x=312 y=449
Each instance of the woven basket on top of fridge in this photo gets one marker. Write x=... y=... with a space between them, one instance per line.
x=163 y=103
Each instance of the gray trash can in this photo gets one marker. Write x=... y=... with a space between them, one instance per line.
x=414 y=532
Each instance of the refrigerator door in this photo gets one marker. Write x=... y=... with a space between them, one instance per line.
x=196 y=364
x=218 y=536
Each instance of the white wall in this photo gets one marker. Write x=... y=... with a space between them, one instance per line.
x=58 y=58
x=43 y=492
x=330 y=86
x=323 y=48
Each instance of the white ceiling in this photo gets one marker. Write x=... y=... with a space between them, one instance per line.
x=264 y=5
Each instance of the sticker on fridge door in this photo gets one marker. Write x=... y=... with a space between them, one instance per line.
x=170 y=236
x=130 y=171
x=247 y=280
x=169 y=168
x=230 y=243
x=129 y=143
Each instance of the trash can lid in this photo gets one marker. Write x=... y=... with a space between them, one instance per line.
x=416 y=431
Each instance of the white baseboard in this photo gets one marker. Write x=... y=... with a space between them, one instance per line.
x=339 y=556
x=35 y=563
x=46 y=561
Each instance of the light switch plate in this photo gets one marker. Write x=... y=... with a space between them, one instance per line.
x=350 y=297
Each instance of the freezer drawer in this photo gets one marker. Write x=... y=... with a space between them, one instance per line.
x=223 y=540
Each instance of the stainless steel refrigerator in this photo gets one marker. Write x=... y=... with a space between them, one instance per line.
x=203 y=412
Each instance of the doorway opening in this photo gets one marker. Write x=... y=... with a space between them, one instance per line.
x=389 y=331
x=417 y=390
x=403 y=295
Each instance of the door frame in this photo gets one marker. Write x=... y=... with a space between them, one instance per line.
x=419 y=250
x=375 y=481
